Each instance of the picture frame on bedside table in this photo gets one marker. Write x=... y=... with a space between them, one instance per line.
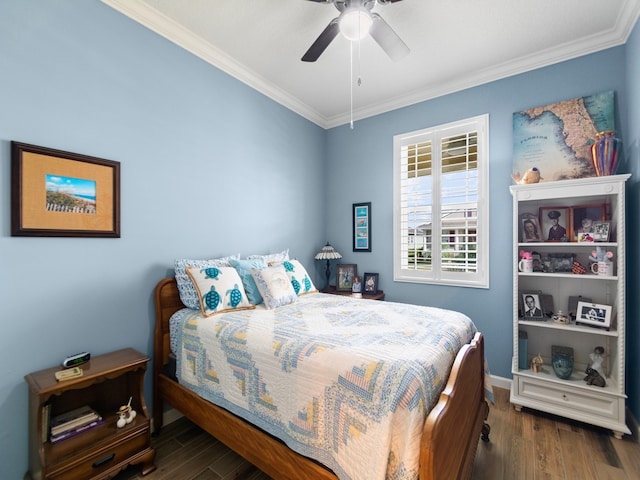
x=345 y=273
x=370 y=283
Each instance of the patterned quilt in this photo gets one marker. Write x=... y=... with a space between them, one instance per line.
x=347 y=382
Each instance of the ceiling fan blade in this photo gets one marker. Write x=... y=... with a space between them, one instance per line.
x=388 y=39
x=322 y=42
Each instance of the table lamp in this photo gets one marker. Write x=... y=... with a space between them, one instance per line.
x=327 y=253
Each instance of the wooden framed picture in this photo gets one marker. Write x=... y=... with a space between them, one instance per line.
x=584 y=217
x=556 y=224
x=370 y=283
x=345 y=273
x=362 y=227
x=63 y=194
x=594 y=314
x=530 y=228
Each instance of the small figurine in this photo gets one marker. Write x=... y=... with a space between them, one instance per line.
x=536 y=363
x=594 y=378
x=560 y=318
x=126 y=414
x=597 y=360
x=530 y=176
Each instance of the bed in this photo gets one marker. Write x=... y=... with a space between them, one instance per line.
x=448 y=439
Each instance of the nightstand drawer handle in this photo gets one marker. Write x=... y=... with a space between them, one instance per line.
x=99 y=463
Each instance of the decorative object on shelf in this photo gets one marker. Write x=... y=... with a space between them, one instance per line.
x=601 y=231
x=525 y=265
x=530 y=176
x=126 y=414
x=362 y=227
x=578 y=269
x=345 y=273
x=597 y=360
x=327 y=253
x=605 y=152
x=603 y=264
x=562 y=361
x=561 y=262
x=555 y=221
x=63 y=194
x=532 y=308
x=594 y=378
x=370 y=283
x=560 y=318
x=536 y=363
x=530 y=228
x=594 y=314
x=584 y=218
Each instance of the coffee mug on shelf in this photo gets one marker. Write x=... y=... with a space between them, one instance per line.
x=602 y=268
x=526 y=265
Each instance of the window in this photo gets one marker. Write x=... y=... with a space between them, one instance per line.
x=441 y=204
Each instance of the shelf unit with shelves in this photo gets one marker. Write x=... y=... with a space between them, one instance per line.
x=544 y=390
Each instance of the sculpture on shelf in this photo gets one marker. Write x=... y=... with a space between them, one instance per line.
x=597 y=360
x=594 y=378
x=536 y=363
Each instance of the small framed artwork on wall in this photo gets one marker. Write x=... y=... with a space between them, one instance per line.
x=362 y=227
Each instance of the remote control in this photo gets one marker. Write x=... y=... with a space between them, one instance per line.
x=68 y=374
x=77 y=359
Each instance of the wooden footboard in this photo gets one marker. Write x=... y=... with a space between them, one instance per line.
x=449 y=440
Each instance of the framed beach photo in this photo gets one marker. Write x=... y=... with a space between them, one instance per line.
x=345 y=273
x=63 y=194
x=594 y=314
x=362 y=227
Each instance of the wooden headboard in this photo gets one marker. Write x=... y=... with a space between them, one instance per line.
x=167 y=302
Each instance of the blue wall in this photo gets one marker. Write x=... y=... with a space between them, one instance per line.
x=210 y=167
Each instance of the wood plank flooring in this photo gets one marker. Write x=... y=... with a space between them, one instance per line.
x=525 y=445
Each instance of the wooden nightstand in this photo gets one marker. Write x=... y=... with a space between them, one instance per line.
x=108 y=381
x=332 y=290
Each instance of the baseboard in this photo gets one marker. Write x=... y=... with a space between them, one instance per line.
x=501 y=382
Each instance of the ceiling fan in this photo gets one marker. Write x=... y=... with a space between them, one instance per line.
x=355 y=21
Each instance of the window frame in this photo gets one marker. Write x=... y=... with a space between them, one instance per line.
x=480 y=278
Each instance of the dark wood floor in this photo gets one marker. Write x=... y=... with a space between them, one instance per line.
x=525 y=445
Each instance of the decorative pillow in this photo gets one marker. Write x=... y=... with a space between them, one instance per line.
x=188 y=293
x=219 y=289
x=272 y=257
x=274 y=286
x=243 y=267
x=298 y=277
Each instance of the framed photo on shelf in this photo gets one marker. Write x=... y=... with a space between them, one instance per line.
x=362 y=227
x=556 y=224
x=601 y=231
x=594 y=314
x=560 y=262
x=530 y=228
x=583 y=219
x=370 y=283
x=63 y=194
x=345 y=273
x=532 y=306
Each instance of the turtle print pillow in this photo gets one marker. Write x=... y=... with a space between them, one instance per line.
x=188 y=293
x=298 y=276
x=274 y=286
x=219 y=289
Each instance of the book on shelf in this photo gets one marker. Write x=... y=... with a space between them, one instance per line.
x=75 y=431
x=73 y=419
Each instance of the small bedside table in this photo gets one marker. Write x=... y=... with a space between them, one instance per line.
x=108 y=381
x=332 y=290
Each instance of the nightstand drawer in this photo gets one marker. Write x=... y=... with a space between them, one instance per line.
x=567 y=397
x=104 y=459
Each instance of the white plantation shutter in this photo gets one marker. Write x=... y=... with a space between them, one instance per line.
x=441 y=204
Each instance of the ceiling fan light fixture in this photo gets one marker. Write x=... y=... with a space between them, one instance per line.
x=355 y=23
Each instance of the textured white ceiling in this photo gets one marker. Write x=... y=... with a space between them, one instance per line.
x=454 y=44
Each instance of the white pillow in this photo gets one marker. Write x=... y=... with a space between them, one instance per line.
x=274 y=285
x=272 y=257
x=219 y=289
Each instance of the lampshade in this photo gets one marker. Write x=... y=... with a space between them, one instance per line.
x=355 y=23
x=327 y=253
